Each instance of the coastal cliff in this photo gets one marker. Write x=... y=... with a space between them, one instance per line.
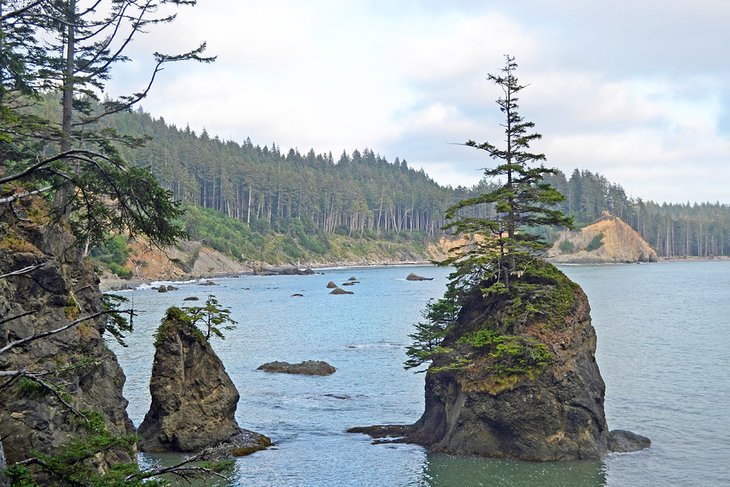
x=609 y=240
x=57 y=288
x=517 y=378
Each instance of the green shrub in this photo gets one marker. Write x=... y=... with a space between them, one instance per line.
x=566 y=247
x=596 y=243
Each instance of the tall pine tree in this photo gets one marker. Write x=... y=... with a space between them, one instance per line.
x=520 y=197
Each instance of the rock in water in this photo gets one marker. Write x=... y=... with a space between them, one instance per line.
x=621 y=441
x=308 y=367
x=331 y=285
x=339 y=290
x=516 y=381
x=193 y=399
x=416 y=277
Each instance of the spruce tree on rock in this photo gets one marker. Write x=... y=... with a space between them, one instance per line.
x=521 y=199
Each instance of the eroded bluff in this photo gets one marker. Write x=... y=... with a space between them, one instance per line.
x=517 y=378
x=59 y=288
x=193 y=399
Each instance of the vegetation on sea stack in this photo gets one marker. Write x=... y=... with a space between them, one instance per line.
x=500 y=268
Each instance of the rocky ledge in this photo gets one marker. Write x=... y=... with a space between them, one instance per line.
x=193 y=399
x=517 y=381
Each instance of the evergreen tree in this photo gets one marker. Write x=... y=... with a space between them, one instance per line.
x=501 y=245
x=521 y=199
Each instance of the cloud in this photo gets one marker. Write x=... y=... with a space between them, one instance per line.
x=632 y=90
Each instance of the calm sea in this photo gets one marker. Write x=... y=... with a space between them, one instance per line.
x=663 y=349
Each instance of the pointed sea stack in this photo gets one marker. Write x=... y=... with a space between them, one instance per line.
x=193 y=399
x=518 y=378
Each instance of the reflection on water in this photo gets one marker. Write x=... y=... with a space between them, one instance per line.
x=463 y=471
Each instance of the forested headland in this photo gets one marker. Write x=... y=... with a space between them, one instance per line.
x=239 y=195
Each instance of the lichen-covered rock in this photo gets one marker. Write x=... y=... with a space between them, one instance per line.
x=518 y=377
x=61 y=290
x=193 y=399
x=307 y=367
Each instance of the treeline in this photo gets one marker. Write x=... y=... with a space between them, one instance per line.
x=363 y=194
x=672 y=229
x=354 y=194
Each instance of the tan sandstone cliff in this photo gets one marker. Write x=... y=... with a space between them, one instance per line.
x=609 y=240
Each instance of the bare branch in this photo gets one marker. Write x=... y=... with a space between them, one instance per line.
x=20 y=11
x=74 y=153
x=20 y=272
x=55 y=331
x=19 y=196
x=16 y=317
x=182 y=469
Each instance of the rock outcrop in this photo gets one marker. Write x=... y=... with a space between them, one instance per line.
x=339 y=290
x=59 y=288
x=517 y=381
x=416 y=277
x=193 y=399
x=268 y=270
x=308 y=367
x=609 y=240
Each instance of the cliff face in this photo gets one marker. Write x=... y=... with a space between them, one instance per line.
x=62 y=289
x=193 y=399
x=609 y=240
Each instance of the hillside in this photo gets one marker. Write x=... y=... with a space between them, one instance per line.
x=256 y=202
x=609 y=240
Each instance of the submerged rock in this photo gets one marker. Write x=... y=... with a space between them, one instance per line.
x=517 y=382
x=193 y=399
x=308 y=367
x=622 y=441
x=339 y=290
x=416 y=277
x=191 y=298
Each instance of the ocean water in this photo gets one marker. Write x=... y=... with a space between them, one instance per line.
x=663 y=339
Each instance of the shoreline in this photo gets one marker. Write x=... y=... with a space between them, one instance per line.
x=109 y=283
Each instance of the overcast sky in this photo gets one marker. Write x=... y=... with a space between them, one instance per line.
x=638 y=91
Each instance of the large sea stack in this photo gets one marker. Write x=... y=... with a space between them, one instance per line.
x=518 y=378
x=55 y=288
x=193 y=399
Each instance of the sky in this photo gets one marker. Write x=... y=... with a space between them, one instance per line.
x=638 y=91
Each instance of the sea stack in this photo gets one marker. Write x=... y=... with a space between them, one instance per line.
x=518 y=378
x=193 y=399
